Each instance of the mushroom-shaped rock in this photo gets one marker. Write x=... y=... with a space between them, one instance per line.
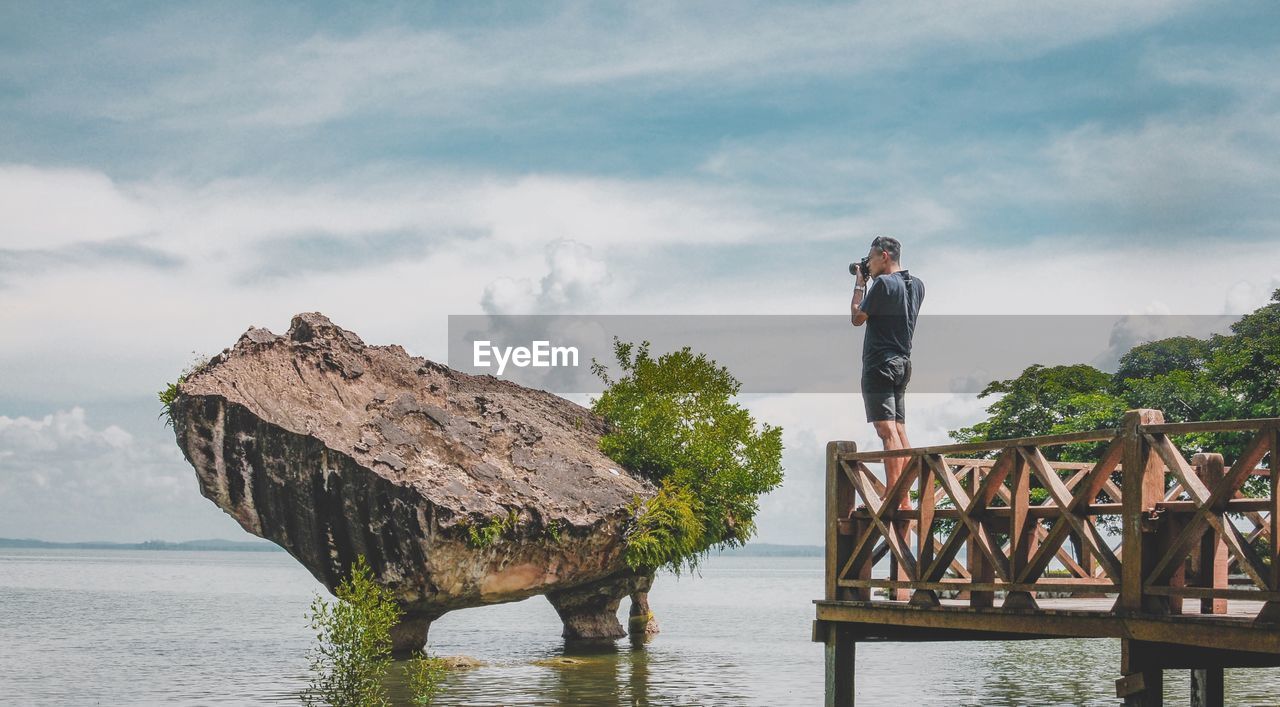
x=459 y=490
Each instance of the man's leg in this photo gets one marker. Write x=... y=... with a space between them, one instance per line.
x=902 y=433
x=887 y=430
x=900 y=410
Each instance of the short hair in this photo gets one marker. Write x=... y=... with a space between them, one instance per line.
x=885 y=244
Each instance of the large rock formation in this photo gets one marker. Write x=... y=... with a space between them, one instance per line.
x=459 y=490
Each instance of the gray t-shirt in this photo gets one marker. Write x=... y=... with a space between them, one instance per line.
x=889 y=325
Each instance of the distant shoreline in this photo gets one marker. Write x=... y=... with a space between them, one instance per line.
x=212 y=545
x=215 y=545
x=772 y=550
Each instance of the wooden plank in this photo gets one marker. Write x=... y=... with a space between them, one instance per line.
x=1273 y=510
x=1187 y=630
x=1062 y=585
x=1270 y=613
x=989 y=446
x=895 y=494
x=833 y=517
x=991 y=483
x=985 y=463
x=1022 y=532
x=1178 y=428
x=980 y=568
x=924 y=524
x=1215 y=593
x=1241 y=504
x=944 y=558
x=1173 y=460
x=1019 y=501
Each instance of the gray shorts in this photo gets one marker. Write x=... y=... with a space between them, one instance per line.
x=884 y=389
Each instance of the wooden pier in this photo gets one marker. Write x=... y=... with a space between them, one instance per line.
x=1121 y=544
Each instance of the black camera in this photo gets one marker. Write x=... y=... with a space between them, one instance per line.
x=861 y=265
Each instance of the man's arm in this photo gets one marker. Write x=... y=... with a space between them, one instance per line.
x=857 y=315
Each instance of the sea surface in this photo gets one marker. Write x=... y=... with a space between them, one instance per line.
x=133 y=627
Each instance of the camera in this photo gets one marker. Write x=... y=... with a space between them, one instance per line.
x=860 y=265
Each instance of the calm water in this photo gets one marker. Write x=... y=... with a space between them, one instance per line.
x=136 y=627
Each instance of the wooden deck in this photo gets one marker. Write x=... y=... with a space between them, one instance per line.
x=1183 y=571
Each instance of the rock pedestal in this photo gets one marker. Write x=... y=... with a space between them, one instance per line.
x=459 y=490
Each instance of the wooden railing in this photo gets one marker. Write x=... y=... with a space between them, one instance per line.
x=1173 y=528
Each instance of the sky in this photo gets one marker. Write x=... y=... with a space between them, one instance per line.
x=174 y=173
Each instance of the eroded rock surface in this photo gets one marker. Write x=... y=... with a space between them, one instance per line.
x=332 y=448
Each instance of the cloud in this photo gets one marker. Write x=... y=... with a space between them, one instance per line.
x=1182 y=176
x=291 y=256
x=577 y=280
x=317 y=73
x=109 y=254
x=46 y=208
x=1248 y=295
x=661 y=158
x=63 y=478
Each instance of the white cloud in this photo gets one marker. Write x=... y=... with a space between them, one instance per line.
x=1172 y=170
x=251 y=80
x=63 y=478
x=46 y=208
x=1247 y=295
x=81 y=327
x=577 y=280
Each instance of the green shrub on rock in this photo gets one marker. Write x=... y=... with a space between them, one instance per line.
x=673 y=420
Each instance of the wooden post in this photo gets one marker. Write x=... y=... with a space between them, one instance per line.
x=924 y=534
x=1270 y=612
x=1084 y=558
x=1169 y=527
x=1142 y=487
x=839 y=502
x=1143 y=681
x=1022 y=531
x=980 y=568
x=840 y=650
x=900 y=527
x=1087 y=563
x=1214 y=558
x=1208 y=689
x=862 y=566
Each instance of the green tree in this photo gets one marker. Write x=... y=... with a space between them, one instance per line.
x=1147 y=360
x=1047 y=400
x=353 y=642
x=1246 y=363
x=1234 y=375
x=673 y=420
x=353 y=647
x=426 y=675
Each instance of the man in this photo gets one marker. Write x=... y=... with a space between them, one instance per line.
x=889 y=306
